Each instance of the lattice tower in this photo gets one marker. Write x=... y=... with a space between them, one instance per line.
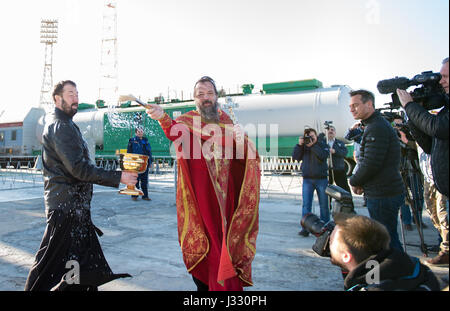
x=109 y=84
x=49 y=36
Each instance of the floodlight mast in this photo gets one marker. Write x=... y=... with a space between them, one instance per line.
x=49 y=36
x=109 y=82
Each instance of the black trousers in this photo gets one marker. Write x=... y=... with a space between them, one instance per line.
x=142 y=183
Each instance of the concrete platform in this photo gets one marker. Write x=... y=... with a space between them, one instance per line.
x=140 y=238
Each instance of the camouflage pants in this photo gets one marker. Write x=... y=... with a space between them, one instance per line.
x=436 y=204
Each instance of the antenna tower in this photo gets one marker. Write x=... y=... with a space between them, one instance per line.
x=49 y=36
x=109 y=84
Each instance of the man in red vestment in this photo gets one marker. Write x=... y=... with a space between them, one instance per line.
x=217 y=191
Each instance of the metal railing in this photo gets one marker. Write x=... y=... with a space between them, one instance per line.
x=25 y=172
x=20 y=178
x=279 y=165
x=17 y=162
x=279 y=175
x=161 y=165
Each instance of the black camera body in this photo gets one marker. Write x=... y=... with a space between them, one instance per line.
x=390 y=116
x=312 y=223
x=405 y=129
x=327 y=124
x=321 y=230
x=307 y=139
x=343 y=201
x=430 y=94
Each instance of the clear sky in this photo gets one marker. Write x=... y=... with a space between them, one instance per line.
x=166 y=45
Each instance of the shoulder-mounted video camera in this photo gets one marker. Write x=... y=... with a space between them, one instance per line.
x=430 y=94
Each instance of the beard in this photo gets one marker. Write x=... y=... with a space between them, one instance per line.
x=70 y=110
x=211 y=112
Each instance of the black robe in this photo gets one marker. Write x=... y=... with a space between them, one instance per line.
x=70 y=246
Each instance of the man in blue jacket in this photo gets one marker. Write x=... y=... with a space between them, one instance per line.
x=313 y=152
x=140 y=145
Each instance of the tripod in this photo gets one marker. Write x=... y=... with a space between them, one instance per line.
x=410 y=172
x=338 y=177
x=330 y=160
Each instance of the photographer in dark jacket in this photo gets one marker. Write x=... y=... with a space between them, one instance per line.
x=432 y=133
x=70 y=238
x=313 y=152
x=378 y=175
x=360 y=245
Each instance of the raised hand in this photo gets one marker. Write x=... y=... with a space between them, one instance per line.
x=154 y=111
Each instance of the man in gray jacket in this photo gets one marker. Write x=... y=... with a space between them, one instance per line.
x=378 y=175
x=70 y=256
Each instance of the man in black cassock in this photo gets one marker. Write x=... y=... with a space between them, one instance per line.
x=70 y=256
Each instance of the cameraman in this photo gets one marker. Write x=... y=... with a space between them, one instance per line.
x=378 y=174
x=431 y=132
x=313 y=152
x=360 y=245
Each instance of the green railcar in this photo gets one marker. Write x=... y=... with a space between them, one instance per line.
x=115 y=138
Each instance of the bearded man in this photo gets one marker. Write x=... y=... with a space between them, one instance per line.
x=70 y=238
x=217 y=191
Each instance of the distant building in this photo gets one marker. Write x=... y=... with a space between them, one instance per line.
x=11 y=134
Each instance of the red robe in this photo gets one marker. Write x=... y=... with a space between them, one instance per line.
x=217 y=200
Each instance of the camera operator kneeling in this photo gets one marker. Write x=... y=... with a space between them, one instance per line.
x=360 y=245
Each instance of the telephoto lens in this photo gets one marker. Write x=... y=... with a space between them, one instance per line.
x=321 y=230
x=313 y=224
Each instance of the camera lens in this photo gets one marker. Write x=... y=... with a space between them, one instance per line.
x=307 y=139
x=313 y=224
